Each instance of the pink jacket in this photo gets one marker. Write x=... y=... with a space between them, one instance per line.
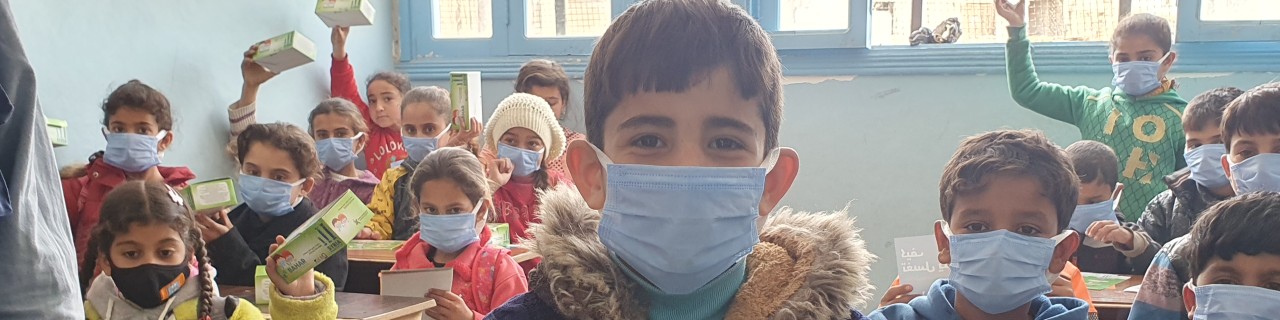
x=485 y=277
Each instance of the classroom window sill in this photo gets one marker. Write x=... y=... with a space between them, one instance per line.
x=940 y=59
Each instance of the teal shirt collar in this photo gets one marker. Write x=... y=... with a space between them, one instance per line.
x=709 y=302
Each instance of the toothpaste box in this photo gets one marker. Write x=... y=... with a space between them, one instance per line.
x=345 y=13
x=211 y=195
x=284 y=52
x=321 y=236
x=500 y=235
x=261 y=286
x=464 y=96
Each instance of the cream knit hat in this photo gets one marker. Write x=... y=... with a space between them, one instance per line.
x=523 y=110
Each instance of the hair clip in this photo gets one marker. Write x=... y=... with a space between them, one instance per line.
x=173 y=195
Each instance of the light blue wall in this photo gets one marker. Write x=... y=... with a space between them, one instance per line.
x=877 y=143
x=190 y=51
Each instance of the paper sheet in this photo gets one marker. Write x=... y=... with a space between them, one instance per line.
x=415 y=283
x=918 y=262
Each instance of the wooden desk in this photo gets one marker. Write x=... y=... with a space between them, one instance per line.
x=1114 y=302
x=357 y=305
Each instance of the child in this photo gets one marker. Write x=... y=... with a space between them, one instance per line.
x=1235 y=260
x=155 y=266
x=1191 y=190
x=452 y=200
x=1097 y=170
x=1007 y=198
x=546 y=79
x=1140 y=118
x=680 y=170
x=426 y=126
x=382 y=113
x=139 y=129
x=1251 y=134
x=521 y=137
x=278 y=166
x=336 y=126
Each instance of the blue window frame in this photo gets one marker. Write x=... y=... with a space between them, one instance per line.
x=1204 y=46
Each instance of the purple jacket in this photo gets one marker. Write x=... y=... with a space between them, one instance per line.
x=330 y=186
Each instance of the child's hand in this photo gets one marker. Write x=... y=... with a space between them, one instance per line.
x=304 y=286
x=449 y=306
x=500 y=170
x=1016 y=15
x=897 y=294
x=213 y=225
x=253 y=73
x=461 y=137
x=1062 y=285
x=339 y=39
x=368 y=234
x=1112 y=233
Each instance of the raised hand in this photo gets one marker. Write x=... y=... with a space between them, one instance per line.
x=1015 y=14
x=304 y=286
x=339 y=39
x=253 y=73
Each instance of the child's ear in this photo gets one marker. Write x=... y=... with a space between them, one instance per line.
x=360 y=144
x=944 y=243
x=307 y=185
x=1064 y=251
x=103 y=264
x=1168 y=63
x=1189 y=299
x=166 y=141
x=1119 y=192
x=779 y=179
x=1226 y=167
x=587 y=172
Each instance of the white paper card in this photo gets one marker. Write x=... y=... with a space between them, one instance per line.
x=918 y=262
x=415 y=283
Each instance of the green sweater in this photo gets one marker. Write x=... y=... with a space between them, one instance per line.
x=1146 y=132
x=709 y=302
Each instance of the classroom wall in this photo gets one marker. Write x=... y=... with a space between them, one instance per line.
x=190 y=51
x=874 y=143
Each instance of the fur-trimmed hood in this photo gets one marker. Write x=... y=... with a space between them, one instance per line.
x=806 y=266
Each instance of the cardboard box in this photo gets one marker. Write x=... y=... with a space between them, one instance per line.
x=286 y=51
x=261 y=286
x=211 y=195
x=464 y=97
x=345 y=13
x=323 y=235
x=415 y=283
x=500 y=235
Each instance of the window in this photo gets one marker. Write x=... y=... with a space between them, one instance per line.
x=1239 y=10
x=811 y=15
x=1047 y=20
x=462 y=19
x=567 y=18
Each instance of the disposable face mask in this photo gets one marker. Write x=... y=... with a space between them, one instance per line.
x=337 y=153
x=524 y=161
x=1256 y=174
x=999 y=270
x=1137 y=78
x=1085 y=215
x=267 y=197
x=1235 y=302
x=681 y=227
x=132 y=152
x=419 y=148
x=1206 y=165
x=449 y=232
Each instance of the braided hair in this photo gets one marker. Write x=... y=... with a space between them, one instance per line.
x=139 y=202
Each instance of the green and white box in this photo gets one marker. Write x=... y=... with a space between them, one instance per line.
x=286 y=51
x=464 y=97
x=345 y=13
x=212 y=194
x=322 y=236
x=500 y=235
x=261 y=286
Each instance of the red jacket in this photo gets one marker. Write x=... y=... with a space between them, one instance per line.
x=485 y=277
x=84 y=189
x=385 y=146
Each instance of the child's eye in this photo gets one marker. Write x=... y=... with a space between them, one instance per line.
x=131 y=254
x=166 y=253
x=429 y=210
x=726 y=144
x=117 y=129
x=1191 y=145
x=535 y=145
x=388 y=100
x=1224 y=281
x=1028 y=230
x=509 y=141
x=455 y=210
x=976 y=227
x=279 y=177
x=649 y=141
x=1246 y=153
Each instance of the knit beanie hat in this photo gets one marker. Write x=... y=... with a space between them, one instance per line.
x=523 y=110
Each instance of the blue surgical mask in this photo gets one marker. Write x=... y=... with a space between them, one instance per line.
x=1137 y=78
x=1206 y=165
x=1259 y=173
x=1235 y=302
x=999 y=271
x=267 y=197
x=524 y=162
x=681 y=227
x=419 y=148
x=449 y=232
x=132 y=152
x=1086 y=215
x=337 y=153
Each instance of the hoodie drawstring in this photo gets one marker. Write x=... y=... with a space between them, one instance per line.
x=163 y=312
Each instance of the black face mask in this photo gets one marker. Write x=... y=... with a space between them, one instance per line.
x=150 y=285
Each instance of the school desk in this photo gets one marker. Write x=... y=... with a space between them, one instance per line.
x=357 y=305
x=1114 y=302
x=363 y=266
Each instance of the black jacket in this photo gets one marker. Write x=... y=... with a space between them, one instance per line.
x=238 y=253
